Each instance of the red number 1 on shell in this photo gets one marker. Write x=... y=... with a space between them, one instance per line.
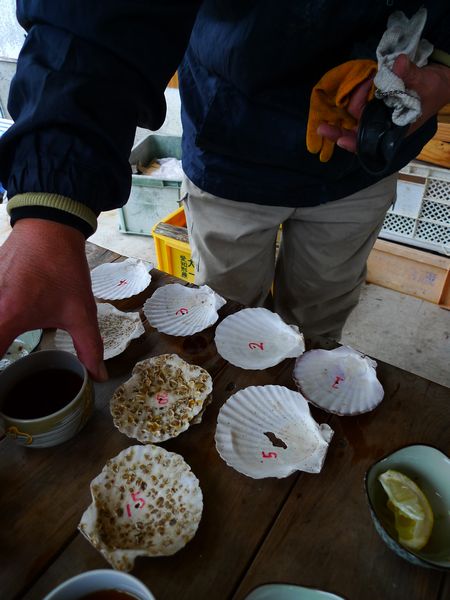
x=337 y=381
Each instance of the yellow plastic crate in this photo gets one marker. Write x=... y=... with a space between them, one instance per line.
x=173 y=253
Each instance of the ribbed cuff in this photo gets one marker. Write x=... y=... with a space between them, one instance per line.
x=53 y=207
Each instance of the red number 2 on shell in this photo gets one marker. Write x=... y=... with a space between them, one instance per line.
x=253 y=345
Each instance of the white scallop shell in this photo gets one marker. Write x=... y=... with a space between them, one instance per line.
x=341 y=381
x=256 y=338
x=145 y=502
x=117 y=329
x=21 y=346
x=115 y=281
x=161 y=399
x=176 y=309
x=253 y=418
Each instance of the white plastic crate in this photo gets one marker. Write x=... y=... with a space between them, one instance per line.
x=421 y=214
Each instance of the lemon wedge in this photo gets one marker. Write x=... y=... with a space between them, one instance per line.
x=412 y=511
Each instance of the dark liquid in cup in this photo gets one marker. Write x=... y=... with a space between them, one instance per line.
x=109 y=595
x=41 y=394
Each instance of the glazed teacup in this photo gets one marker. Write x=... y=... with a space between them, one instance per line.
x=101 y=580
x=45 y=398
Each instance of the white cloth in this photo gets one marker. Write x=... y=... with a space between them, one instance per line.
x=402 y=36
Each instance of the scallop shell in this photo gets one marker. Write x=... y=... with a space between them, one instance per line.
x=161 y=399
x=21 y=346
x=256 y=338
x=176 y=309
x=145 y=502
x=117 y=329
x=341 y=381
x=268 y=431
x=114 y=281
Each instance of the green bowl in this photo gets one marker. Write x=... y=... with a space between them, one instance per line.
x=430 y=469
x=287 y=591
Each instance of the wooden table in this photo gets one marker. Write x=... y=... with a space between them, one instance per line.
x=313 y=530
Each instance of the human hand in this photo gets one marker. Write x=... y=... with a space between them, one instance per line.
x=346 y=138
x=329 y=104
x=431 y=82
x=45 y=283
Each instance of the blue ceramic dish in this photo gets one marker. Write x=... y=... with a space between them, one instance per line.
x=429 y=468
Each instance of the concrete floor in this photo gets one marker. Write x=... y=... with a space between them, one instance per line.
x=402 y=330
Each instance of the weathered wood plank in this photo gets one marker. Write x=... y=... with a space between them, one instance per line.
x=172 y=231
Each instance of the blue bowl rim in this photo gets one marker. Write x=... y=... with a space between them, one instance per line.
x=433 y=565
x=298 y=585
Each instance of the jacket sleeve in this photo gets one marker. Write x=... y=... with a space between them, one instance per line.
x=87 y=75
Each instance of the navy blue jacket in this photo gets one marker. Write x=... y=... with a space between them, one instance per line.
x=89 y=72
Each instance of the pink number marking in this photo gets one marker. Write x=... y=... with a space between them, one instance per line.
x=139 y=502
x=269 y=454
x=122 y=282
x=337 y=381
x=182 y=311
x=162 y=398
x=253 y=345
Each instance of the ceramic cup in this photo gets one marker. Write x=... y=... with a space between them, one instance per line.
x=55 y=427
x=100 y=580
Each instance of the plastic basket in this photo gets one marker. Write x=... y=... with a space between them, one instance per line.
x=421 y=214
x=150 y=198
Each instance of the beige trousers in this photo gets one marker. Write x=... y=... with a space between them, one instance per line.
x=321 y=263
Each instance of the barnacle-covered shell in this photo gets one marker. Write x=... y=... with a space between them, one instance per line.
x=117 y=330
x=256 y=338
x=268 y=431
x=145 y=502
x=114 y=281
x=176 y=309
x=161 y=399
x=341 y=381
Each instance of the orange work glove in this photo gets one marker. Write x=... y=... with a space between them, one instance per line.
x=329 y=100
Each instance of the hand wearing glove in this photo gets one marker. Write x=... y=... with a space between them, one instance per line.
x=431 y=83
x=45 y=282
x=331 y=100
